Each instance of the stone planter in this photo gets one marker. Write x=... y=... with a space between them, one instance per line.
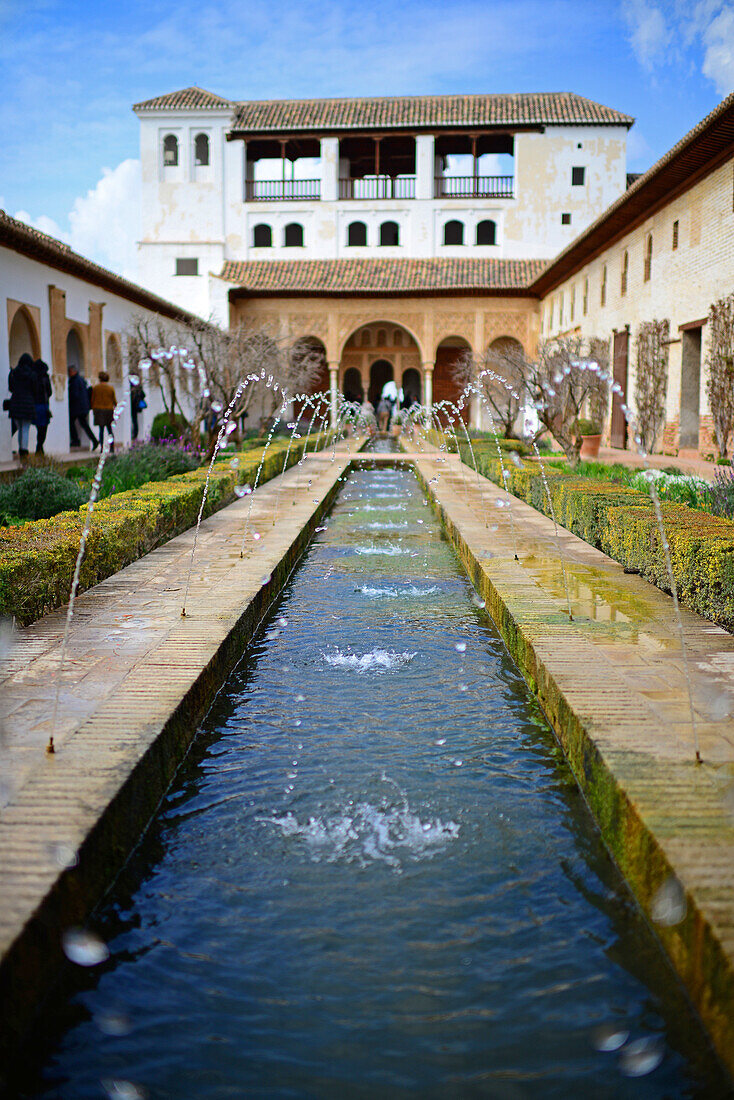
x=590 y=446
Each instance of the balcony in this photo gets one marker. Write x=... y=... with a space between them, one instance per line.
x=282 y=190
x=474 y=187
x=378 y=187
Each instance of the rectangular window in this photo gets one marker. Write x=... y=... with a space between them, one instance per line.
x=565 y=219
x=573 y=302
x=675 y=235
x=578 y=177
x=603 y=296
x=586 y=297
x=187 y=267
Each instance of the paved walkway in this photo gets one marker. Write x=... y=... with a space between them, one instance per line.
x=687 y=463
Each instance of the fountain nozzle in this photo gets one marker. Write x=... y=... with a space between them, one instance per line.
x=50 y=747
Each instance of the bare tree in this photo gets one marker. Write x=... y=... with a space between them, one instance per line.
x=651 y=382
x=152 y=338
x=720 y=364
x=498 y=379
x=598 y=405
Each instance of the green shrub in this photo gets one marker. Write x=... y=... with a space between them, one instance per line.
x=144 y=462
x=168 y=426
x=37 y=559
x=586 y=427
x=38 y=493
x=620 y=520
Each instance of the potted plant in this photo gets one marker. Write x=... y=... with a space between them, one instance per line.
x=589 y=431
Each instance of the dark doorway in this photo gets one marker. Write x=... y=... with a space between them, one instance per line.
x=618 y=434
x=352 y=387
x=690 y=387
x=380 y=373
x=411 y=387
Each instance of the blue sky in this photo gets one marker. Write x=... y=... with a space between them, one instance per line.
x=71 y=70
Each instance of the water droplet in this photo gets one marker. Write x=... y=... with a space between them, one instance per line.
x=123 y=1090
x=300 y=698
x=84 y=948
x=458 y=763
x=515 y=457
x=460 y=647
x=441 y=741
x=282 y=621
x=257 y=536
x=463 y=687
x=669 y=904
x=110 y=1022
x=641 y=1057
x=217 y=406
x=478 y=601
x=134 y=380
x=501 y=503
x=265 y=579
x=235 y=463
x=492 y=527
x=242 y=491
x=298 y=722
x=63 y=855
x=609 y=1037
x=231 y=427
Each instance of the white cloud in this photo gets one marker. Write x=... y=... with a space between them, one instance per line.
x=650 y=34
x=718 y=62
x=104 y=223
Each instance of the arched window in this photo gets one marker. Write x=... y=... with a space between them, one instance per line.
x=293 y=236
x=366 y=340
x=262 y=236
x=453 y=233
x=389 y=233
x=381 y=338
x=201 y=150
x=170 y=151
x=625 y=273
x=648 y=257
x=357 y=234
x=487 y=232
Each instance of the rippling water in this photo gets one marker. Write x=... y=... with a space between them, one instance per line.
x=375 y=876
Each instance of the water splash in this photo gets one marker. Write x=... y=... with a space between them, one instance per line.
x=410 y=590
x=378 y=660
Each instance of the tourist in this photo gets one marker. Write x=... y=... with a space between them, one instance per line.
x=103 y=404
x=21 y=405
x=383 y=414
x=137 y=404
x=42 y=397
x=79 y=408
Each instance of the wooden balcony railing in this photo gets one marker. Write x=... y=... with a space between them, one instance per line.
x=282 y=190
x=378 y=187
x=474 y=187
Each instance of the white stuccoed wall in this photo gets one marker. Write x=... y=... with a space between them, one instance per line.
x=683 y=284
x=192 y=213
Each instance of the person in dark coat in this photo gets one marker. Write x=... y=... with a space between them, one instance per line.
x=22 y=403
x=42 y=396
x=79 y=408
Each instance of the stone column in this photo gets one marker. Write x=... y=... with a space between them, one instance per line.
x=329 y=169
x=428 y=387
x=334 y=387
x=425 y=166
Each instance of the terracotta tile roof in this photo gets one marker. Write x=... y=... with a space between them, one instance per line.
x=30 y=242
x=381 y=276
x=697 y=152
x=443 y=111
x=187 y=99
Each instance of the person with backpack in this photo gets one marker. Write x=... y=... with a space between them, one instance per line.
x=42 y=397
x=79 y=408
x=21 y=405
x=137 y=404
x=103 y=402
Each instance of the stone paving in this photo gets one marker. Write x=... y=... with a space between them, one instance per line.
x=139 y=677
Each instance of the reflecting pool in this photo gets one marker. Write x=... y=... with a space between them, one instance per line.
x=375 y=876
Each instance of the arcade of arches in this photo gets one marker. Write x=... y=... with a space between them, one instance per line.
x=418 y=342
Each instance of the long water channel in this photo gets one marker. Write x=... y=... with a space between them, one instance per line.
x=375 y=876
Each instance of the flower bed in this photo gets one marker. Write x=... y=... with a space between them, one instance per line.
x=37 y=559
x=620 y=520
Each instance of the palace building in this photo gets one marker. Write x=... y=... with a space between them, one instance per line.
x=393 y=233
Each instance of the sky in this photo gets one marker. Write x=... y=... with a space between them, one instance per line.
x=70 y=71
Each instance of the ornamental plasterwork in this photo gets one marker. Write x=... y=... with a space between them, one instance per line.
x=507 y=323
x=391 y=315
x=453 y=324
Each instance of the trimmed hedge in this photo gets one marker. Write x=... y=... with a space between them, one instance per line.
x=37 y=559
x=621 y=521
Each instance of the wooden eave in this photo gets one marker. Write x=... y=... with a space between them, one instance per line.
x=239 y=292
x=383 y=132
